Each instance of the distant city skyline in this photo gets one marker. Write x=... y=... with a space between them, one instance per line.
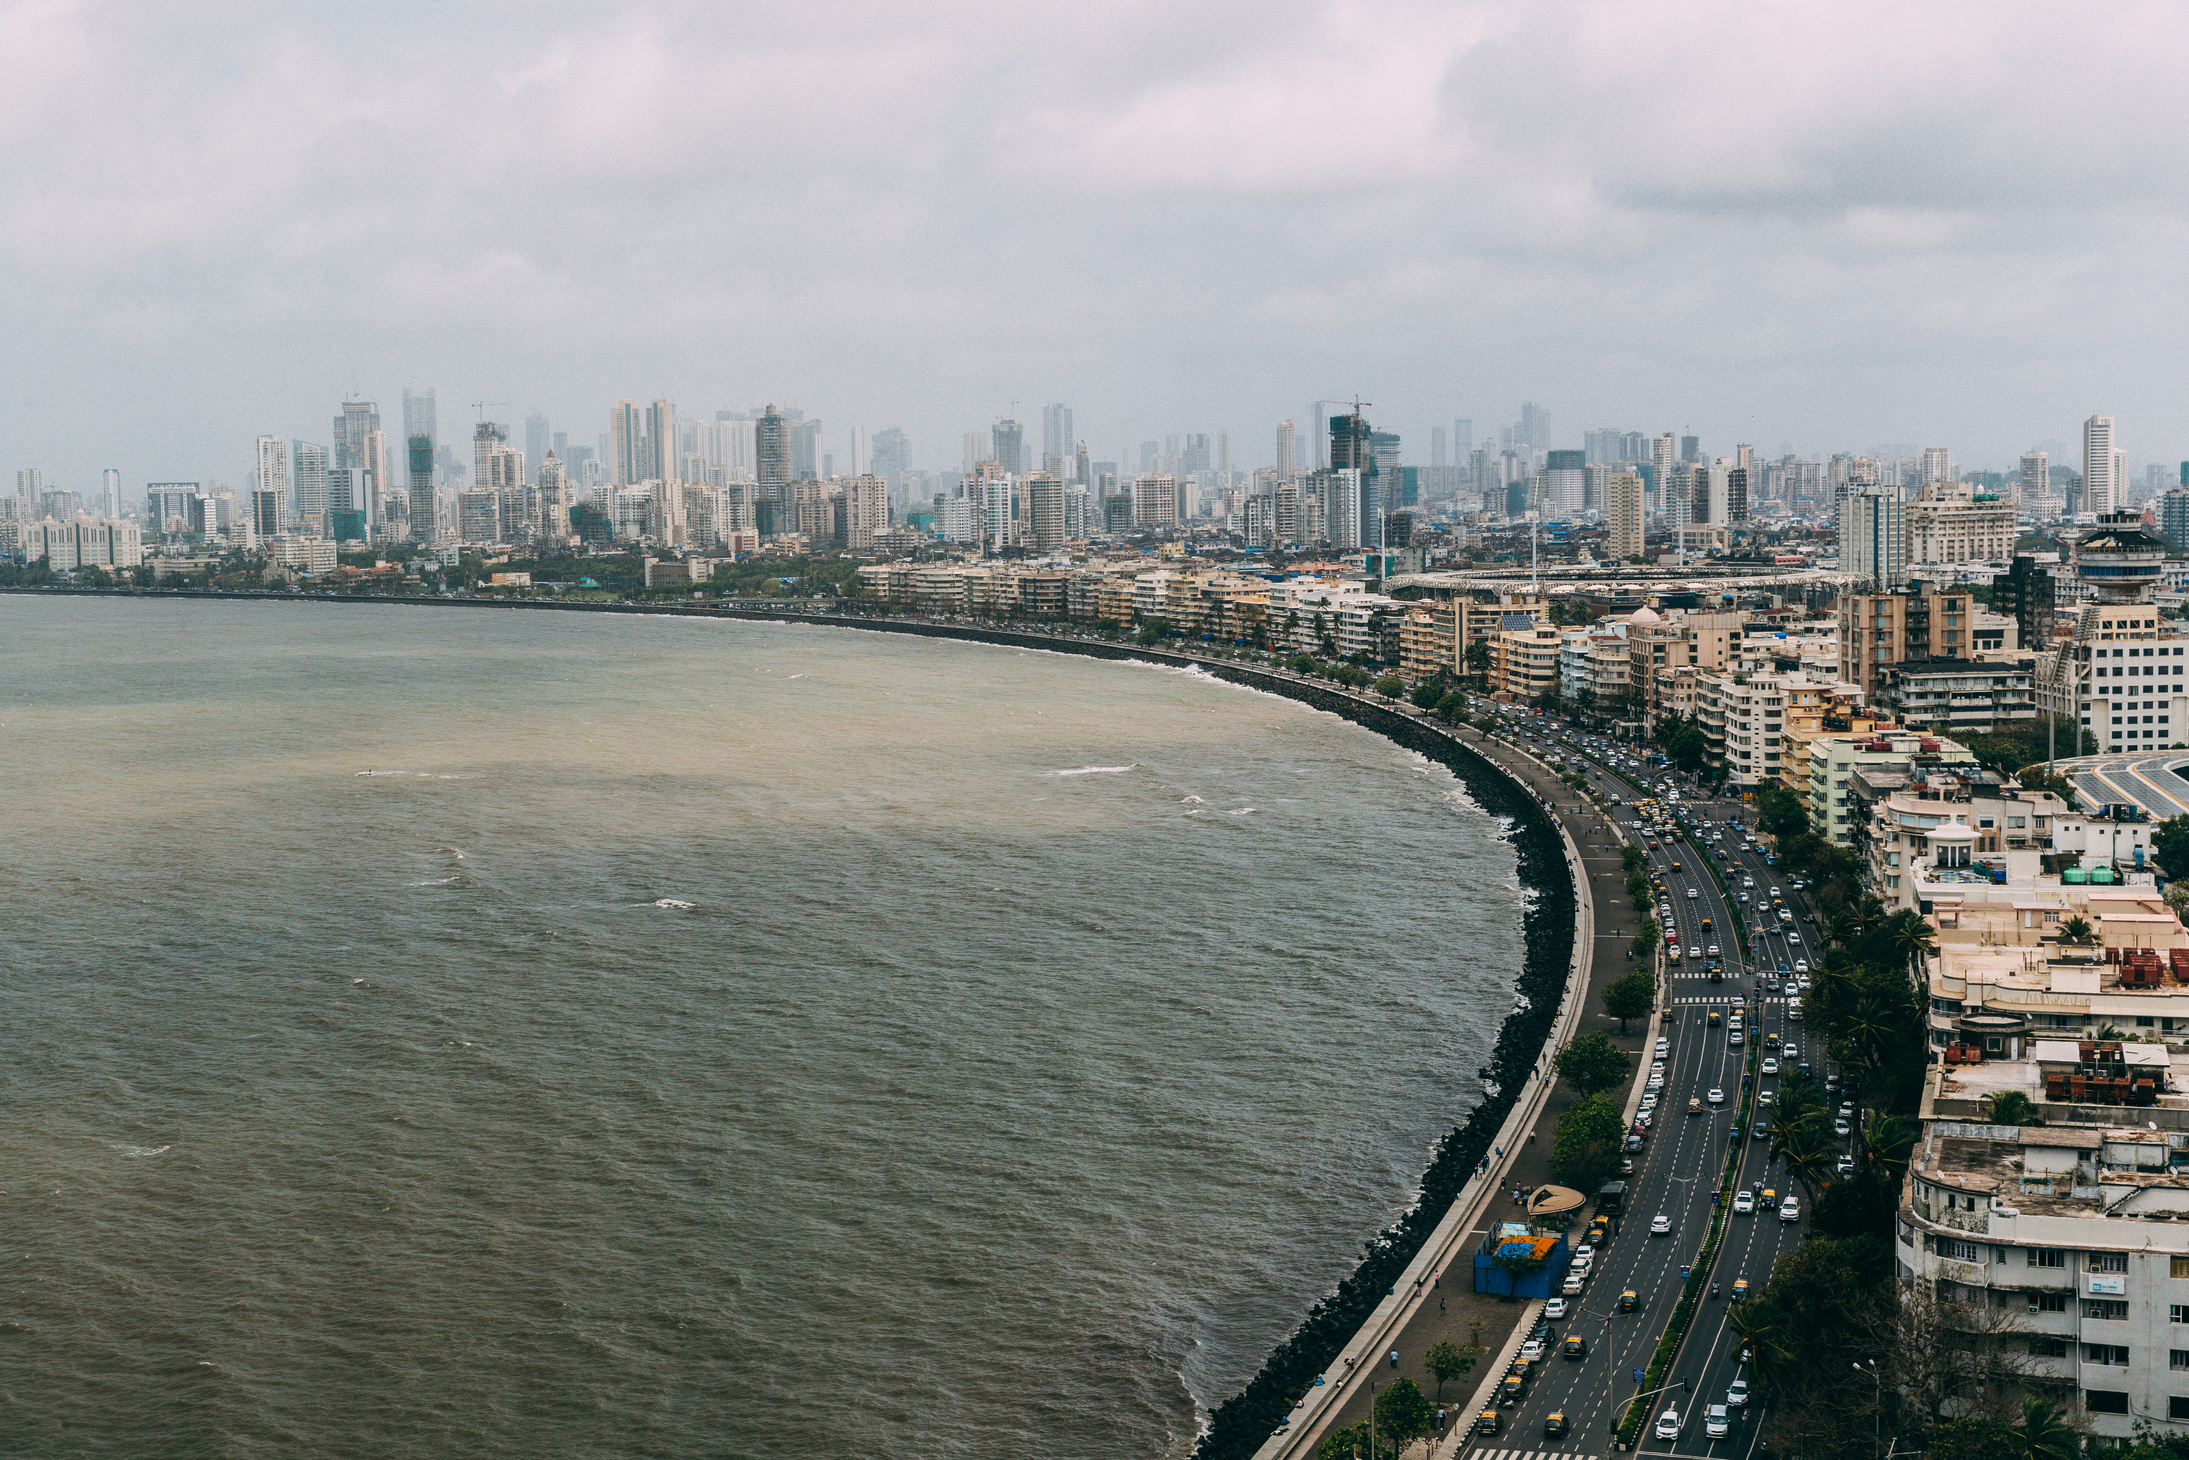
x=1165 y=233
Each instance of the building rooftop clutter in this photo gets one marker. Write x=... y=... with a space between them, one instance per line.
x=2013 y=1177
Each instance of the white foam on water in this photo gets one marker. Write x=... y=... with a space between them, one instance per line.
x=137 y=1150
x=1242 y=811
x=1190 y=801
x=669 y=902
x=1099 y=770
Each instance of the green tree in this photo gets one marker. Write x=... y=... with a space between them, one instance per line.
x=1645 y=939
x=1586 y=1149
x=1631 y=997
x=2044 y=1433
x=1633 y=859
x=1448 y=1361
x=1429 y=693
x=2075 y=930
x=1591 y=1062
x=1349 y=1443
x=1453 y=708
x=2170 y=844
x=1478 y=661
x=2011 y=1107
x=1153 y=630
x=1403 y=1415
x=1390 y=686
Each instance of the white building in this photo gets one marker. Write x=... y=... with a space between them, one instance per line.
x=83 y=541
x=2101 y=490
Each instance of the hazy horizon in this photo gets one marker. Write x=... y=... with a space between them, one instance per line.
x=1806 y=230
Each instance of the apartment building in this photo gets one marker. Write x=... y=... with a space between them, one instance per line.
x=1877 y=630
x=1834 y=758
x=1658 y=648
x=1524 y=663
x=1967 y=696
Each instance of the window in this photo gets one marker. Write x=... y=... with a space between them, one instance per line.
x=2178 y=1313
x=2106 y=1401
x=2112 y=1354
x=2113 y=1310
x=2048 y=1348
x=1960 y=1251
x=2052 y=1302
x=2177 y=1266
x=2177 y=1359
x=2048 y=1257
x=2105 y=1262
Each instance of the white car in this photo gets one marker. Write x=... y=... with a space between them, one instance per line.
x=1770 y=1067
x=1584 y=1253
x=1532 y=1350
x=1744 y=1202
x=1668 y=1425
x=1737 y=1396
x=1660 y=1226
x=1748 y=882
x=1656 y=1083
x=1841 y=1128
x=1555 y=1308
x=1801 y=965
x=1716 y=1096
x=1692 y=894
x=1580 y=1267
x=1718 y=1422
x=1571 y=1287
x=1792 y=936
x=1656 y=1067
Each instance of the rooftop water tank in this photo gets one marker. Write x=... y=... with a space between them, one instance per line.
x=2075 y=876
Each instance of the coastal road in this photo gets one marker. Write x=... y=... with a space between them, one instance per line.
x=1678 y=1173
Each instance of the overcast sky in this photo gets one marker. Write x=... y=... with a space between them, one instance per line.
x=1829 y=226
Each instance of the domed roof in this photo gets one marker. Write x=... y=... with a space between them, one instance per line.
x=1645 y=615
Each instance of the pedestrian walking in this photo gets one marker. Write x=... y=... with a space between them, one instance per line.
x=1394 y=1358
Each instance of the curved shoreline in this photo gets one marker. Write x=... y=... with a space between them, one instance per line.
x=1364 y=1301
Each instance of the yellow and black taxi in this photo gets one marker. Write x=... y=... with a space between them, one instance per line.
x=1554 y=1424
x=1629 y=1301
x=1575 y=1347
x=1694 y=1105
x=1740 y=1289
x=1489 y=1422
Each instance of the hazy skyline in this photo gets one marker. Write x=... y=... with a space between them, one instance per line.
x=1830 y=229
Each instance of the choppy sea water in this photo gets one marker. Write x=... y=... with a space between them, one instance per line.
x=459 y=1033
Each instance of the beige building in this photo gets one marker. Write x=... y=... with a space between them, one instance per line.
x=1623 y=515
x=1877 y=629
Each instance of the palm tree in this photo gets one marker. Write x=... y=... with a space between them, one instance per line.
x=2011 y=1107
x=2046 y=1434
x=2075 y=930
x=1757 y=1324
x=1885 y=1143
x=1809 y=1151
x=1912 y=939
x=1870 y=1028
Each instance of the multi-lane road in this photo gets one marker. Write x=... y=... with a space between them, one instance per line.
x=1676 y=1173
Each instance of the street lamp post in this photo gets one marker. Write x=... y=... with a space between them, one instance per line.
x=1877 y=1411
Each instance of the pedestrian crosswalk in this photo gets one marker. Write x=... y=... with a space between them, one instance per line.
x=1530 y=1455
x=1719 y=999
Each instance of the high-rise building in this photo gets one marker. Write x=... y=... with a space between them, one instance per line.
x=1350 y=448
x=266 y=512
x=1083 y=470
x=1565 y=485
x=419 y=415
x=2101 y=489
x=2025 y=593
x=892 y=456
x=1463 y=438
x=626 y=444
x=1155 y=500
x=110 y=488
x=486 y=438
x=273 y=475
x=1873 y=537
x=2036 y=480
x=866 y=510
x=1288 y=450
x=771 y=465
x=1439 y=448
x=425 y=511
x=537 y=444
x=661 y=442
x=804 y=440
x=308 y=486
x=1535 y=426
x=1057 y=435
x=1009 y=441
x=1736 y=496
x=1691 y=449
x=1623 y=515
x=1664 y=456
x=1045 y=505
x=1602 y=446
x=1319 y=415
x=554 y=499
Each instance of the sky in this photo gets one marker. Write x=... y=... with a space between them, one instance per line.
x=1806 y=226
